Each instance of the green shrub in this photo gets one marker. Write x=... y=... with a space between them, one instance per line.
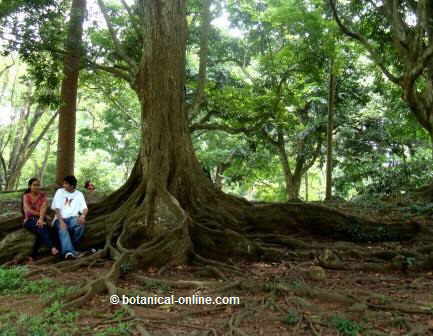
x=345 y=326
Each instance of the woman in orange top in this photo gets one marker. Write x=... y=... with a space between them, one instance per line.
x=34 y=209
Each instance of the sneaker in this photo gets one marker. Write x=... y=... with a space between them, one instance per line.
x=92 y=250
x=70 y=255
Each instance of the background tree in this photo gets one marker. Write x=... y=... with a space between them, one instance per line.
x=29 y=122
x=399 y=39
x=68 y=93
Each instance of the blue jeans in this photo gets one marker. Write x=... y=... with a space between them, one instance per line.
x=43 y=234
x=69 y=236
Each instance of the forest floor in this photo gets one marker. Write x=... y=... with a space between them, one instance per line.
x=292 y=297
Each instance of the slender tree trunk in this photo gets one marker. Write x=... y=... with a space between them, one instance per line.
x=431 y=143
x=306 y=187
x=330 y=129
x=41 y=172
x=292 y=180
x=294 y=187
x=67 y=118
x=219 y=177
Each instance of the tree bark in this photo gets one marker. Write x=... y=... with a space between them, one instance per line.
x=330 y=129
x=293 y=188
x=68 y=95
x=306 y=187
x=41 y=170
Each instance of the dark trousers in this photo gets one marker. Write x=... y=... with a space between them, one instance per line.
x=44 y=235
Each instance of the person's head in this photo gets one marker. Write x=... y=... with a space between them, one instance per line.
x=89 y=186
x=70 y=183
x=33 y=185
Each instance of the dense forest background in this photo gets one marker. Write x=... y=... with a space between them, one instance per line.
x=260 y=125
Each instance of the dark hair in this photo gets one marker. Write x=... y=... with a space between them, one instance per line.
x=87 y=184
x=71 y=180
x=29 y=184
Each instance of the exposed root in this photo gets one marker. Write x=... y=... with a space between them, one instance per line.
x=176 y=284
x=44 y=270
x=218 y=264
x=403 y=261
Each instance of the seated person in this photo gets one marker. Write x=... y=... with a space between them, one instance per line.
x=89 y=186
x=34 y=208
x=71 y=210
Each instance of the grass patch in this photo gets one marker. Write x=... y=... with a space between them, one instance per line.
x=52 y=321
x=345 y=326
x=13 y=196
x=12 y=278
x=13 y=282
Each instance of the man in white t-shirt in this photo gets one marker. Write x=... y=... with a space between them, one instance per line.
x=71 y=211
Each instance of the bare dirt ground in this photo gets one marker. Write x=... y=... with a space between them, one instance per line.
x=294 y=296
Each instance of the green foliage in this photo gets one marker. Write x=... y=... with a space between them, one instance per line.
x=345 y=326
x=11 y=279
x=52 y=321
x=122 y=328
x=380 y=149
x=420 y=209
x=13 y=282
x=37 y=286
x=10 y=196
x=159 y=286
x=37 y=27
x=291 y=318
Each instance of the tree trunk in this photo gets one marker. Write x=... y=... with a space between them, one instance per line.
x=293 y=187
x=431 y=144
x=68 y=98
x=41 y=171
x=24 y=147
x=292 y=181
x=172 y=183
x=306 y=187
x=330 y=129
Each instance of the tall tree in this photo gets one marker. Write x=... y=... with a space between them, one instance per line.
x=29 y=123
x=398 y=35
x=68 y=95
x=330 y=127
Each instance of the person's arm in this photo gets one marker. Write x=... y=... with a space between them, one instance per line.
x=56 y=207
x=84 y=211
x=41 y=220
x=82 y=218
